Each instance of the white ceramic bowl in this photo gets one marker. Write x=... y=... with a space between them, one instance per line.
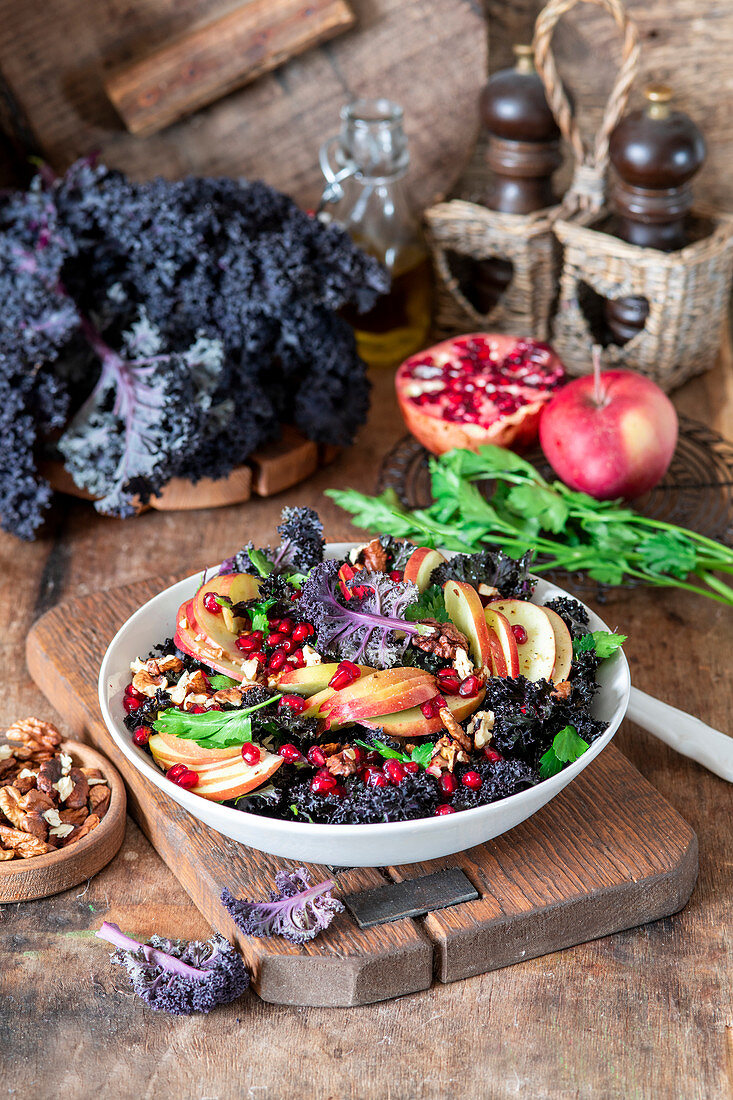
x=343 y=845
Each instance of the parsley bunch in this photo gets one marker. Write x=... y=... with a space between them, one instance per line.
x=568 y=530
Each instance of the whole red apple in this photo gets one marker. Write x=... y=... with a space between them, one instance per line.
x=610 y=434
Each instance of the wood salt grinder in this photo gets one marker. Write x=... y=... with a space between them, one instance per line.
x=523 y=152
x=654 y=152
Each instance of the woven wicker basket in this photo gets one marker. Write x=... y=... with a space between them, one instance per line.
x=526 y=240
x=687 y=291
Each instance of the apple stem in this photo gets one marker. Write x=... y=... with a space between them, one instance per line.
x=598 y=393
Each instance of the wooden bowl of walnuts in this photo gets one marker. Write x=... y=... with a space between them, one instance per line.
x=62 y=811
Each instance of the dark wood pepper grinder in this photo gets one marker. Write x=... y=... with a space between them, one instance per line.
x=523 y=152
x=654 y=152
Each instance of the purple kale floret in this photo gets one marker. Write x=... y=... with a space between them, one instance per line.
x=572 y=613
x=296 y=910
x=301 y=547
x=510 y=576
x=368 y=630
x=177 y=977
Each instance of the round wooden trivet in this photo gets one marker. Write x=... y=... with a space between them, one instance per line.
x=696 y=492
x=24 y=879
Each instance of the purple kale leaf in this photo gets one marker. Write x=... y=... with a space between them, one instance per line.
x=296 y=911
x=301 y=532
x=369 y=630
x=178 y=977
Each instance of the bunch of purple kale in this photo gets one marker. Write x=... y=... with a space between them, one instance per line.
x=167 y=329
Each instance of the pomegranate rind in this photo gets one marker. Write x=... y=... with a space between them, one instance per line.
x=517 y=429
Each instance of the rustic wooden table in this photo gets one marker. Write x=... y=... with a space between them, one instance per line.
x=645 y=1013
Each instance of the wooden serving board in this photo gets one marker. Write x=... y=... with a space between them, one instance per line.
x=608 y=853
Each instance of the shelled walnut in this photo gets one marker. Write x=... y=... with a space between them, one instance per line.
x=46 y=801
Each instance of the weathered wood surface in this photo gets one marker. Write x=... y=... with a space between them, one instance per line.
x=428 y=55
x=632 y=858
x=201 y=66
x=644 y=1013
x=23 y=879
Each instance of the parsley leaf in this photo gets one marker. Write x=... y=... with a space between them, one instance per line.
x=668 y=552
x=262 y=564
x=602 y=641
x=214 y=729
x=421 y=754
x=566 y=747
x=431 y=605
x=536 y=502
x=219 y=682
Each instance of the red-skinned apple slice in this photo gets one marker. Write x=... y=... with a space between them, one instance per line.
x=233 y=779
x=200 y=648
x=413 y=723
x=420 y=566
x=383 y=692
x=505 y=659
x=314 y=678
x=537 y=653
x=187 y=751
x=563 y=646
x=465 y=610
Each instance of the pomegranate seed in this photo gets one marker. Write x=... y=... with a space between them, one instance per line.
x=411 y=766
x=276 y=661
x=297 y=658
x=196 y=709
x=492 y=755
x=444 y=809
x=346 y=673
x=394 y=771
x=290 y=754
x=395 y=576
x=188 y=780
x=376 y=778
x=129 y=703
x=339 y=791
x=449 y=681
x=431 y=707
x=519 y=633
x=142 y=736
x=285 y=626
x=373 y=760
x=359 y=755
x=469 y=686
x=448 y=783
x=321 y=784
x=472 y=780
x=258 y=656
x=176 y=772
x=295 y=703
x=250 y=753
x=248 y=643
x=361 y=590
x=214 y=706
x=301 y=632
x=294 y=596
x=287 y=645
x=133 y=693
x=272 y=641
x=211 y=603
x=316 y=757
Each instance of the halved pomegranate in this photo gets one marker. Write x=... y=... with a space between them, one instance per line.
x=482 y=388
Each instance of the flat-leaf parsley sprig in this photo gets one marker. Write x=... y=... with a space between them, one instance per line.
x=566 y=529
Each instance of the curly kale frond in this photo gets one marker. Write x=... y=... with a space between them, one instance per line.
x=301 y=532
x=296 y=910
x=369 y=629
x=493 y=567
x=572 y=613
x=177 y=977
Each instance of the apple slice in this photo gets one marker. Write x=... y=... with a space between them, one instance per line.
x=235 y=778
x=537 y=653
x=504 y=654
x=563 y=646
x=465 y=610
x=313 y=678
x=413 y=723
x=383 y=692
x=188 y=752
x=420 y=566
x=202 y=649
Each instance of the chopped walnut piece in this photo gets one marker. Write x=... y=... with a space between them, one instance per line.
x=343 y=763
x=148 y=685
x=9 y=804
x=49 y=773
x=80 y=793
x=454 y=728
x=37 y=735
x=446 y=754
x=444 y=640
x=374 y=556
x=36 y=802
x=481 y=727
x=22 y=843
x=74 y=817
x=92 y=773
x=563 y=689
x=232 y=695
x=170 y=664
x=194 y=700
x=5 y=854
x=8 y=766
x=81 y=830
x=99 y=799
x=330 y=749
x=487 y=592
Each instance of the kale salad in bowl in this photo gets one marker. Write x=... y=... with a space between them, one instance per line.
x=362 y=705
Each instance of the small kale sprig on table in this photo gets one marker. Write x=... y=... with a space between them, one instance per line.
x=523 y=513
x=296 y=910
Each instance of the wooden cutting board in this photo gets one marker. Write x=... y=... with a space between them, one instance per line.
x=606 y=854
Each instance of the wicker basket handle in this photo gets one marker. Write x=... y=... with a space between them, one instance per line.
x=587 y=190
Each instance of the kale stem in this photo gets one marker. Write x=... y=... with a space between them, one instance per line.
x=114 y=935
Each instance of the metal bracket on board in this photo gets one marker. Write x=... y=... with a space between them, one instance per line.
x=412 y=898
